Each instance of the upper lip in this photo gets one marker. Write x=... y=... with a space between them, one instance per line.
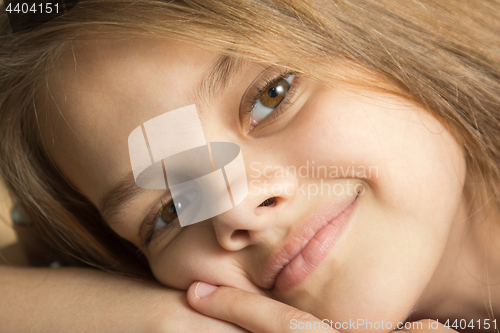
x=299 y=238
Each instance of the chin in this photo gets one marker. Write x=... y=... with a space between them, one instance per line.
x=367 y=303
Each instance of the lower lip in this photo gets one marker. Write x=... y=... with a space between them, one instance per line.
x=313 y=253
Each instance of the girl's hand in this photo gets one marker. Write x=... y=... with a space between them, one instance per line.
x=88 y=300
x=253 y=312
x=258 y=313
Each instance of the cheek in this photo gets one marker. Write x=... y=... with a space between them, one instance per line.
x=195 y=255
x=403 y=220
x=408 y=159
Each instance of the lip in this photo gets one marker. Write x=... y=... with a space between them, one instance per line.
x=307 y=246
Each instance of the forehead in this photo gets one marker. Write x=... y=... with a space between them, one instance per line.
x=104 y=89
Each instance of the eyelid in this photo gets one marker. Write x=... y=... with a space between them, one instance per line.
x=146 y=230
x=268 y=76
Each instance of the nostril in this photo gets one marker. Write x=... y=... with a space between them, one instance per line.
x=238 y=234
x=268 y=202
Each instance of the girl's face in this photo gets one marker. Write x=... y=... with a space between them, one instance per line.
x=384 y=174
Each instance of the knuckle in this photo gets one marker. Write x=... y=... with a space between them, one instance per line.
x=287 y=315
x=293 y=313
x=238 y=302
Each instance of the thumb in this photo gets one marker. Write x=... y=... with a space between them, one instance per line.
x=251 y=311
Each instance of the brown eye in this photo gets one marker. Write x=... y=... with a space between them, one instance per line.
x=275 y=93
x=269 y=99
x=168 y=213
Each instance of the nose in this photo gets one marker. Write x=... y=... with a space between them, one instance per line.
x=257 y=217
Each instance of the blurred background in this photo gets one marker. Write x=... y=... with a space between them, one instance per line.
x=7 y=235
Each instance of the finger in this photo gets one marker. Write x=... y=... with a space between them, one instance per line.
x=251 y=311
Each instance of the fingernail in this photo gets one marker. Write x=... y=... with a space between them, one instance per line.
x=203 y=289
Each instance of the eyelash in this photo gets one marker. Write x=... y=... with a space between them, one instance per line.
x=150 y=223
x=259 y=89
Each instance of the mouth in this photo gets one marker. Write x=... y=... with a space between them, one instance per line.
x=307 y=246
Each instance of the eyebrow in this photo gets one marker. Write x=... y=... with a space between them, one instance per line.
x=121 y=193
x=220 y=74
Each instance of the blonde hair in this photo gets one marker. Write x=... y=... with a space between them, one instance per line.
x=442 y=55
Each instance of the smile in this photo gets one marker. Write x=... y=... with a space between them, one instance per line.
x=307 y=246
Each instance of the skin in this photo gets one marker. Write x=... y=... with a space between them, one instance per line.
x=399 y=250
